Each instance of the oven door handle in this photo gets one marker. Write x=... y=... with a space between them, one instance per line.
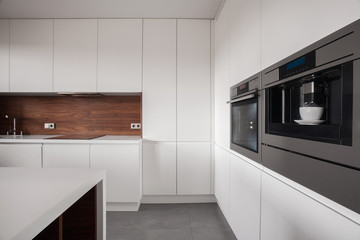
x=242 y=98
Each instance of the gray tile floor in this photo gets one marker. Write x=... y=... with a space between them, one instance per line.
x=170 y=222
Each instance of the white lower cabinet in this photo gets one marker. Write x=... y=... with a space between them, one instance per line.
x=123 y=172
x=66 y=155
x=289 y=214
x=159 y=168
x=222 y=179
x=244 y=206
x=193 y=168
x=20 y=155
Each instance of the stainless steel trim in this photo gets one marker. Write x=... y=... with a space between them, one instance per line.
x=283 y=105
x=242 y=98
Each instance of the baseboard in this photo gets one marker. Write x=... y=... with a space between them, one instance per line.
x=114 y=206
x=178 y=199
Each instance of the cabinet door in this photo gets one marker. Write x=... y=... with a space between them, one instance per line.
x=75 y=55
x=20 y=155
x=31 y=55
x=120 y=55
x=159 y=80
x=193 y=168
x=159 y=168
x=193 y=80
x=287 y=213
x=122 y=164
x=281 y=36
x=222 y=179
x=66 y=155
x=4 y=55
x=244 y=208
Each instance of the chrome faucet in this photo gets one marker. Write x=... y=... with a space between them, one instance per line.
x=13 y=131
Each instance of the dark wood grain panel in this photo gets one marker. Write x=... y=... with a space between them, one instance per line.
x=107 y=115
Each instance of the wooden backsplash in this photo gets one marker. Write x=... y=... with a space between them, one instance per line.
x=104 y=115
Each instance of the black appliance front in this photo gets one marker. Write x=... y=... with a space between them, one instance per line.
x=244 y=124
x=323 y=152
x=245 y=120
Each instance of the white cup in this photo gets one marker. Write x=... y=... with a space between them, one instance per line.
x=311 y=113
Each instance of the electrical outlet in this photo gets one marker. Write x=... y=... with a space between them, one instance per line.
x=135 y=125
x=49 y=125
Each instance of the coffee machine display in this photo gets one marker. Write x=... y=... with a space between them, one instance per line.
x=316 y=107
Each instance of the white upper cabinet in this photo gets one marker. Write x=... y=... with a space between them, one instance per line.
x=31 y=55
x=120 y=55
x=285 y=28
x=193 y=80
x=159 y=80
x=75 y=55
x=193 y=168
x=244 y=36
x=4 y=54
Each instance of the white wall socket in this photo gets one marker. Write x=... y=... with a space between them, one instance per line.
x=49 y=125
x=135 y=125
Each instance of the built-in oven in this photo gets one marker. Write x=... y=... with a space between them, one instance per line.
x=311 y=116
x=245 y=121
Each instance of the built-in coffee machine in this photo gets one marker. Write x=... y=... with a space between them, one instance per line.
x=316 y=107
x=311 y=116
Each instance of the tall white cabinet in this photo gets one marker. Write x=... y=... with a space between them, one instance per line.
x=4 y=54
x=193 y=80
x=31 y=55
x=75 y=55
x=120 y=55
x=159 y=80
x=176 y=107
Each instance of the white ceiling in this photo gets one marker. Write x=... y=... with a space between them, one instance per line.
x=109 y=8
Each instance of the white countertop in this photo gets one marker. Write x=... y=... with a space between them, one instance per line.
x=45 y=139
x=31 y=198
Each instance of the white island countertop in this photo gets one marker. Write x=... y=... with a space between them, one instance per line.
x=31 y=198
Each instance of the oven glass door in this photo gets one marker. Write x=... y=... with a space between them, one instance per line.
x=244 y=124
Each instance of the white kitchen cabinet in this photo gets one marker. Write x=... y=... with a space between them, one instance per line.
x=75 y=55
x=31 y=55
x=159 y=80
x=287 y=213
x=193 y=168
x=245 y=193
x=120 y=55
x=4 y=54
x=20 y=155
x=285 y=29
x=222 y=179
x=244 y=36
x=66 y=155
x=123 y=172
x=193 y=80
x=222 y=78
x=159 y=168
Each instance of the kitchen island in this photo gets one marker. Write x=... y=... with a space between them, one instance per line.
x=35 y=202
